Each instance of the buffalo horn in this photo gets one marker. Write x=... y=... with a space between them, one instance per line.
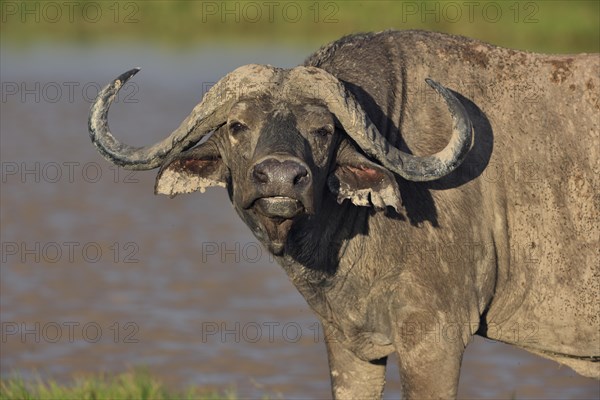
x=320 y=84
x=207 y=116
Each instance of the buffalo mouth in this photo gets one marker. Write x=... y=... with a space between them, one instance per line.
x=279 y=207
x=276 y=215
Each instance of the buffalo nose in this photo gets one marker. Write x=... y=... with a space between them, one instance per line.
x=287 y=172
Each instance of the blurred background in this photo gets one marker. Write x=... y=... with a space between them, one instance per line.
x=98 y=275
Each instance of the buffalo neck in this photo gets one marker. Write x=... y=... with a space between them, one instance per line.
x=318 y=243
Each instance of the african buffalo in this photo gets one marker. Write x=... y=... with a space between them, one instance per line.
x=410 y=215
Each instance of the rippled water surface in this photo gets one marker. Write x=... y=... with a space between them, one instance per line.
x=98 y=274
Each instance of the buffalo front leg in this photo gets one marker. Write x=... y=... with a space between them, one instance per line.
x=352 y=377
x=430 y=370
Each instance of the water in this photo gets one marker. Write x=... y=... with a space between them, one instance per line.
x=100 y=275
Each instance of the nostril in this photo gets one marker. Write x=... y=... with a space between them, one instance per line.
x=260 y=174
x=301 y=177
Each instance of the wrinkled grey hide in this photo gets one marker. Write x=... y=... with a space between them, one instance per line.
x=397 y=251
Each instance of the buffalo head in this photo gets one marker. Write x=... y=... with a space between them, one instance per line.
x=282 y=140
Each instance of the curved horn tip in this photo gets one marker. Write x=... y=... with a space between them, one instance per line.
x=124 y=77
x=436 y=86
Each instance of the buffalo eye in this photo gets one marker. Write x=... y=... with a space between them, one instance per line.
x=323 y=131
x=237 y=127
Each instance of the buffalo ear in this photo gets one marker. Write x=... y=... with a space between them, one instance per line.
x=363 y=182
x=192 y=170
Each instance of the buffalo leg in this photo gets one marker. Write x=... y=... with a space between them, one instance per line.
x=430 y=372
x=352 y=377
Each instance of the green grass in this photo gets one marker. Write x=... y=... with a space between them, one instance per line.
x=544 y=26
x=134 y=385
